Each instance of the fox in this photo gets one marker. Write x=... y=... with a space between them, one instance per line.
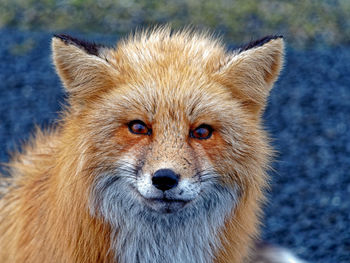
x=160 y=154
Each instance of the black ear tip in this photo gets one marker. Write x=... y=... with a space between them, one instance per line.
x=260 y=42
x=278 y=36
x=63 y=37
x=67 y=39
x=89 y=47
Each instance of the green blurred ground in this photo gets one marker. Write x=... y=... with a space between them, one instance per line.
x=307 y=23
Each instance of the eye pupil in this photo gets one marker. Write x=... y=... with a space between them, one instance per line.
x=138 y=127
x=202 y=132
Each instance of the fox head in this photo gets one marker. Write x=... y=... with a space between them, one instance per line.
x=166 y=128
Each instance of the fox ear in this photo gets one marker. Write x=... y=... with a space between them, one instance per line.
x=252 y=70
x=82 y=66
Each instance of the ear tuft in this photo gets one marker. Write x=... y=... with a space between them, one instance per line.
x=258 y=43
x=89 y=47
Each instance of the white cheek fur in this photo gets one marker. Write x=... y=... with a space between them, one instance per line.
x=144 y=185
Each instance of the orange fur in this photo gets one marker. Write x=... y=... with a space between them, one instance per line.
x=174 y=83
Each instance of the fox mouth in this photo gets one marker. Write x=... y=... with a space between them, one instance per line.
x=165 y=205
x=165 y=200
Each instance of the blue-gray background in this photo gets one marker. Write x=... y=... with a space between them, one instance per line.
x=308 y=115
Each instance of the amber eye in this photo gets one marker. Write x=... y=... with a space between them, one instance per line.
x=202 y=132
x=139 y=127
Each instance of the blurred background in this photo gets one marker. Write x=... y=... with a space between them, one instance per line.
x=308 y=115
x=304 y=23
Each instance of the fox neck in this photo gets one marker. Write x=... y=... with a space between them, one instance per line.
x=142 y=235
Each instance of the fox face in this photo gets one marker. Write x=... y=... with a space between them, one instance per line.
x=170 y=149
x=168 y=139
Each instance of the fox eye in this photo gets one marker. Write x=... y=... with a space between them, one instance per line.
x=202 y=132
x=139 y=127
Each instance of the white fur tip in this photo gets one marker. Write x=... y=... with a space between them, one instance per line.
x=274 y=254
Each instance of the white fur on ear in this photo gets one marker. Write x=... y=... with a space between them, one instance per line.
x=81 y=66
x=252 y=70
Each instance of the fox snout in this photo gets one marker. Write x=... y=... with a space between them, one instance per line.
x=165 y=190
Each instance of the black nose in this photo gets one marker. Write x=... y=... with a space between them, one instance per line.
x=165 y=179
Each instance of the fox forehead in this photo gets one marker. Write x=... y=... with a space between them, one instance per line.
x=183 y=49
x=167 y=92
x=173 y=75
